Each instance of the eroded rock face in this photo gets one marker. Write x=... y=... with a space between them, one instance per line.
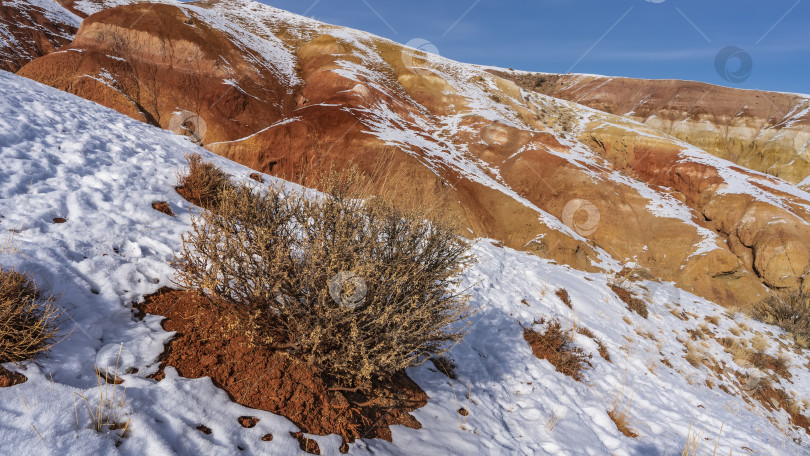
x=291 y=96
x=32 y=28
x=763 y=131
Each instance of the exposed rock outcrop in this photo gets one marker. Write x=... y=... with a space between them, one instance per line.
x=32 y=28
x=290 y=96
x=763 y=131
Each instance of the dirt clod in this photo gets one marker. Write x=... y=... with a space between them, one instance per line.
x=8 y=378
x=307 y=445
x=162 y=206
x=248 y=421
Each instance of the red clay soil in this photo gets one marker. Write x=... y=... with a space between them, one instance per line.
x=8 y=378
x=209 y=344
x=162 y=206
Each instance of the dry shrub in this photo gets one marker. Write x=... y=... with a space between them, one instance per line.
x=203 y=182
x=359 y=289
x=636 y=305
x=28 y=321
x=562 y=293
x=790 y=311
x=556 y=345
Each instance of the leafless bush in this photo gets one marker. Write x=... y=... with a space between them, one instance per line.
x=28 y=322
x=359 y=289
x=790 y=311
x=203 y=182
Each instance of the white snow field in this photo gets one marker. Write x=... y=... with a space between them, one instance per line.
x=62 y=156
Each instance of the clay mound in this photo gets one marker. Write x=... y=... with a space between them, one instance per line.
x=207 y=345
x=33 y=28
x=764 y=131
x=291 y=96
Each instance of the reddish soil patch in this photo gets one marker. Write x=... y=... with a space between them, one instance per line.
x=257 y=177
x=210 y=344
x=267 y=438
x=204 y=429
x=162 y=206
x=8 y=378
x=248 y=421
x=59 y=220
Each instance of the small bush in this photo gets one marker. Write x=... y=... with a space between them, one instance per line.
x=636 y=305
x=358 y=289
x=556 y=346
x=203 y=182
x=790 y=311
x=28 y=322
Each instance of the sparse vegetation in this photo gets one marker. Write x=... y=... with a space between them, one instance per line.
x=556 y=346
x=107 y=416
x=619 y=413
x=790 y=311
x=358 y=289
x=29 y=322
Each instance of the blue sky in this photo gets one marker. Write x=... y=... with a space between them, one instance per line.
x=762 y=44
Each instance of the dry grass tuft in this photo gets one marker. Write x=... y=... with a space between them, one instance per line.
x=29 y=322
x=562 y=293
x=556 y=346
x=622 y=421
x=636 y=305
x=694 y=355
x=603 y=351
x=203 y=182
x=107 y=416
x=790 y=311
x=619 y=413
x=359 y=289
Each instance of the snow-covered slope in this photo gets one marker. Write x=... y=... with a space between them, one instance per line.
x=61 y=156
